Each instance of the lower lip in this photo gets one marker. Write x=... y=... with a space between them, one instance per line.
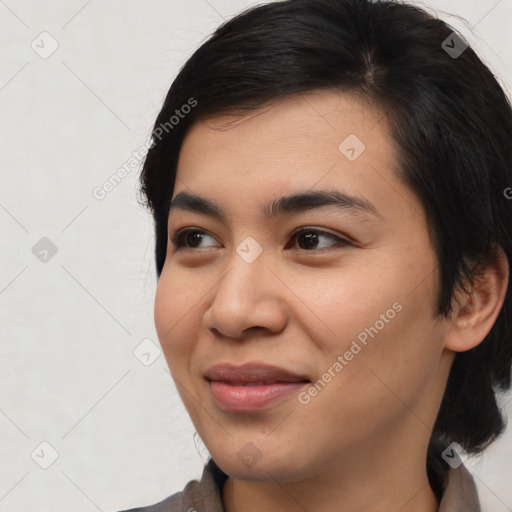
x=251 y=398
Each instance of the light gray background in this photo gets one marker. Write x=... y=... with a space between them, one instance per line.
x=70 y=325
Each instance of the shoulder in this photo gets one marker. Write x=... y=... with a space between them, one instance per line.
x=197 y=496
x=171 y=504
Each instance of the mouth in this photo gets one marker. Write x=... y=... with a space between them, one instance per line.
x=253 y=373
x=262 y=383
x=251 y=387
x=251 y=397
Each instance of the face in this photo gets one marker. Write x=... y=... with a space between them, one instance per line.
x=337 y=287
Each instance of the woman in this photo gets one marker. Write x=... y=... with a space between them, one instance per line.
x=329 y=180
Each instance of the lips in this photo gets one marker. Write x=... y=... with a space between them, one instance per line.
x=252 y=387
x=252 y=374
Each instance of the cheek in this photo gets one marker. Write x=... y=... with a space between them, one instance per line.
x=403 y=347
x=175 y=304
x=385 y=306
x=333 y=305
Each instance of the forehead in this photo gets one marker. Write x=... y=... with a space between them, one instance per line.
x=302 y=122
x=322 y=139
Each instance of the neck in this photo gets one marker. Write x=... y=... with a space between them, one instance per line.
x=243 y=496
x=395 y=479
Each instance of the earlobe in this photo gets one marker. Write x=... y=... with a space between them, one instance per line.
x=475 y=315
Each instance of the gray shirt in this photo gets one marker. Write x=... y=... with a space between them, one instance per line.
x=206 y=495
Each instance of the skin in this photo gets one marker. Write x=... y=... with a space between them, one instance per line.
x=359 y=444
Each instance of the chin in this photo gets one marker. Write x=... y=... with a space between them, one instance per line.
x=257 y=464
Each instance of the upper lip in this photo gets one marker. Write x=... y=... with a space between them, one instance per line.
x=252 y=372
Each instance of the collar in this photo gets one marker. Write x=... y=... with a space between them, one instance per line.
x=460 y=492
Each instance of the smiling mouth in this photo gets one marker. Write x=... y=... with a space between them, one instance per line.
x=251 y=396
x=252 y=386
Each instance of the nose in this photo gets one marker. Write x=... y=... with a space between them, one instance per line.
x=248 y=297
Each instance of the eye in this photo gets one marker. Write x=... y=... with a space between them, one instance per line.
x=310 y=238
x=189 y=238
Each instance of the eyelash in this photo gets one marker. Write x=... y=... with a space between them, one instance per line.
x=179 y=238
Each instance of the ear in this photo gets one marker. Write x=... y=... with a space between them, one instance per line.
x=476 y=312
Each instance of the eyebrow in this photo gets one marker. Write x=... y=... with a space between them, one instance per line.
x=280 y=206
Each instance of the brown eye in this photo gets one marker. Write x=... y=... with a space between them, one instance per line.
x=189 y=238
x=309 y=239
